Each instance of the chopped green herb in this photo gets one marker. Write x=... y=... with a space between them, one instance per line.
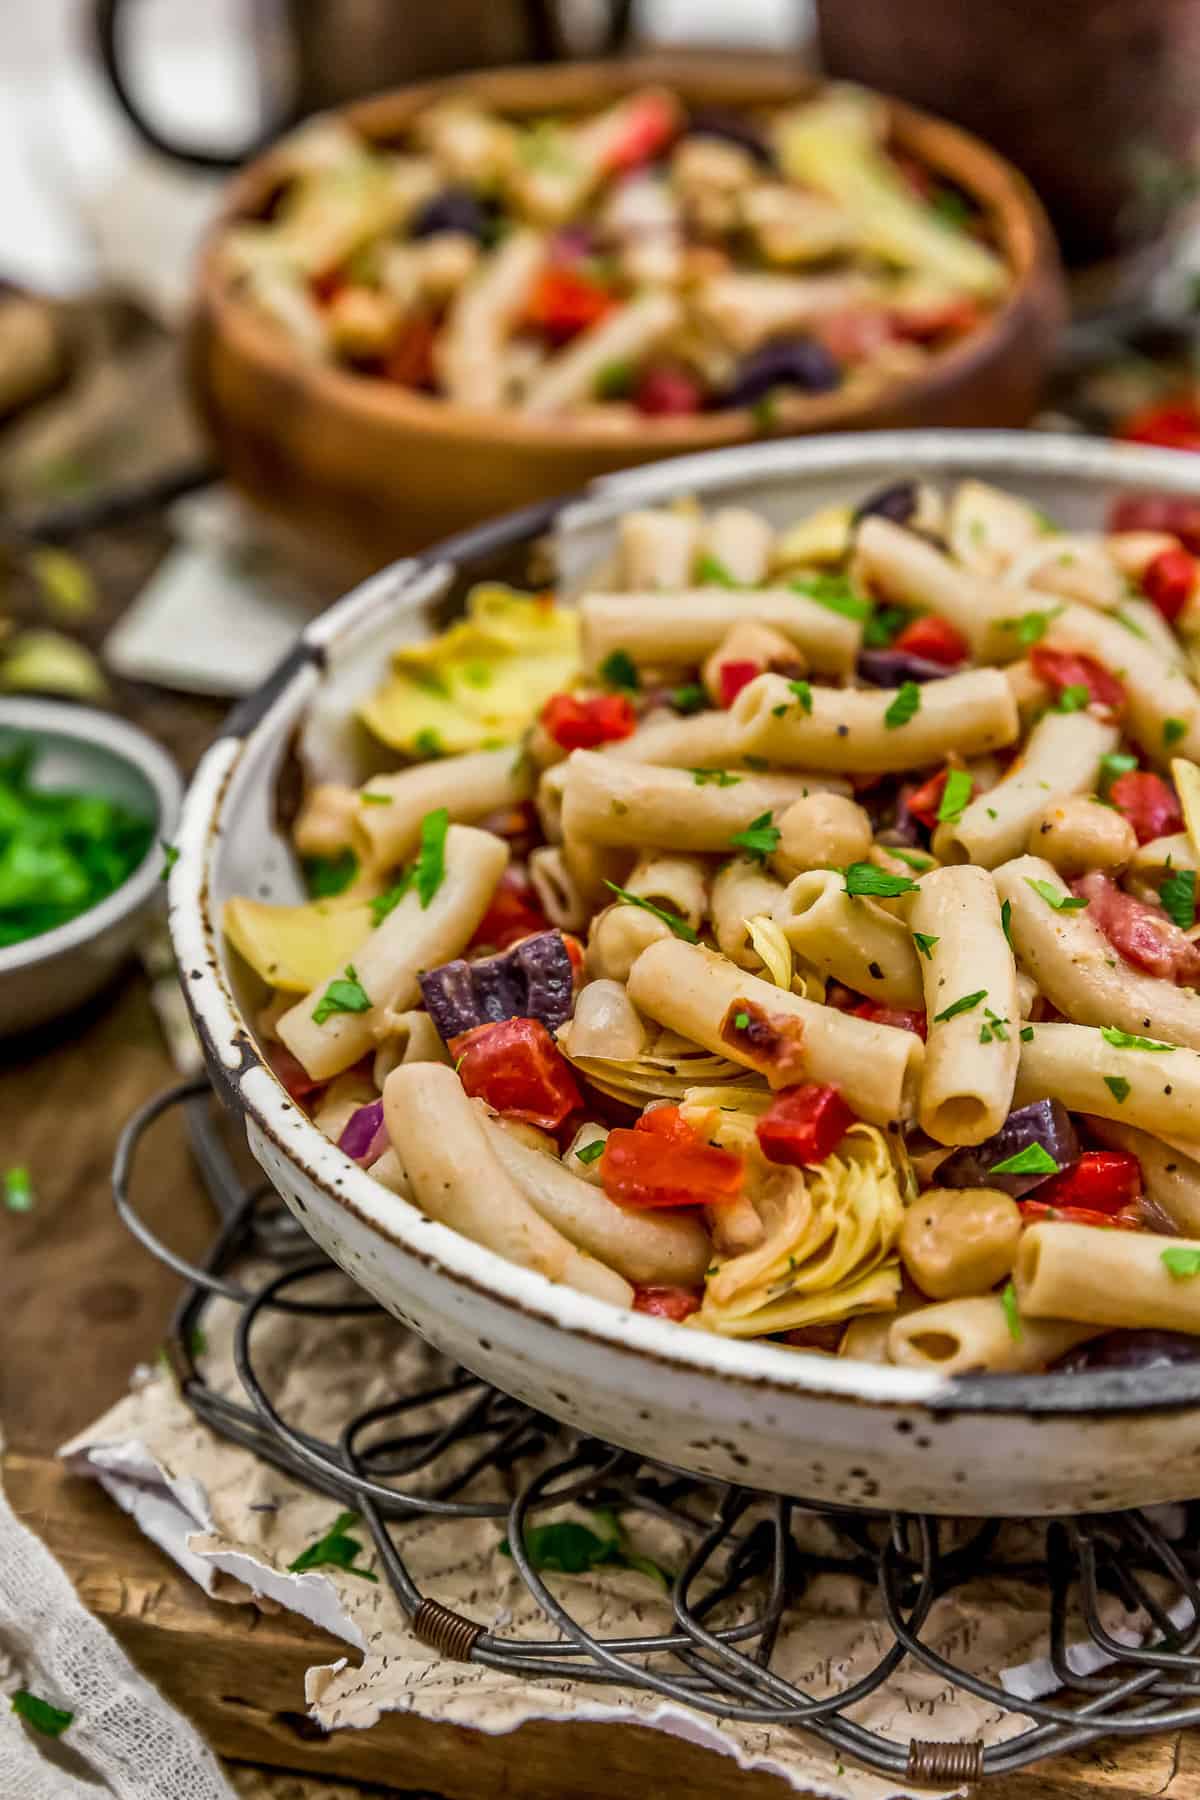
x=1006 y=922
x=1030 y=627
x=170 y=858
x=777 y=712
x=759 y=839
x=916 y=859
x=1027 y=1034
x=835 y=592
x=864 y=878
x=679 y=926
x=690 y=698
x=1045 y=524
x=1132 y=625
x=1012 y=1314
x=427 y=743
x=925 y=943
x=765 y=412
x=614 y=381
x=741 y=1021
x=1172 y=731
x=18 y=1189
x=430 y=868
x=1054 y=896
x=757 y=763
x=198 y=1342
x=1118 y=1087
x=573 y=1549
x=1073 y=698
x=588 y=1153
x=383 y=904
x=1034 y=1159
x=343 y=995
x=714 y=778
x=985 y=1034
x=966 y=1004
x=955 y=212
x=1178 y=896
x=325 y=876
x=368 y=799
x=803 y=692
x=711 y=572
x=334 y=1551
x=904 y=707
x=992 y=813
x=1126 y=1040
x=51 y=1721
x=884 y=626
x=999 y=1026
x=1181 y=1262
x=618 y=670
x=1116 y=762
x=955 y=796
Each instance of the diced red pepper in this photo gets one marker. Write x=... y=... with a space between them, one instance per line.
x=648 y=126
x=409 y=359
x=519 y=1070
x=1063 y=669
x=923 y=802
x=644 y=1169
x=734 y=676
x=1149 y=803
x=291 y=1072
x=944 y=319
x=667 y=1122
x=934 y=638
x=1102 y=1180
x=665 y=390
x=1168 y=580
x=1173 y=424
x=565 y=302
x=1037 y=1212
x=1159 y=512
x=577 y=724
x=513 y=913
x=803 y=1125
x=899 y=1016
x=666 y=1302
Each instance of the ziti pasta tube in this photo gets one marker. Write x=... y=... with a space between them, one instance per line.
x=956 y=1336
x=678 y=630
x=1061 y=757
x=1157 y=1090
x=1107 y=1279
x=1163 y=714
x=606 y=801
x=387 y=821
x=900 y=566
x=850 y=938
x=1170 y=1179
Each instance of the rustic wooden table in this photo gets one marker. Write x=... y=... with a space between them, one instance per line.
x=80 y=1305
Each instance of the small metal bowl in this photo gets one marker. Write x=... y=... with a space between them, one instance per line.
x=96 y=753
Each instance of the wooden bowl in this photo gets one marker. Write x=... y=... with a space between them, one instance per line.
x=368 y=470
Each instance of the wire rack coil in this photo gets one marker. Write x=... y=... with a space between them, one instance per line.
x=390 y=1465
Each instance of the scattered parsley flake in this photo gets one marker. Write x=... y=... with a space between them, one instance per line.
x=50 y=1721
x=711 y=572
x=1030 y=627
x=955 y=795
x=1027 y=1034
x=346 y=994
x=573 y=1549
x=1118 y=1087
x=834 y=592
x=1054 y=897
x=1006 y=922
x=925 y=943
x=741 y=1021
x=1178 y=896
x=618 y=670
x=679 y=926
x=334 y=1551
x=777 y=712
x=803 y=693
x=383 y=904
x=864 y=878
x=765 y=412
x=170 y=858
x=714 y=778
x=1034 y=1159
x=1012 y=1314
x=757 y=763
x=430 y=867
x=1073 y=698
x=1114 y=763
x=992 y=813
x=1181 y=1261
x=588 y=1153
x=1132 y=625
x=904 y=707
x=326 y=876
x=759 y=839
x=428 y=744
x=999 y=1026
x=18 y=1189
x=916 y=859
x=368 y=799
x=884 y=626
x=965 y=1005
x=614 y=381
x=690 y=698
x=1127 y=1040
x=1172 y=731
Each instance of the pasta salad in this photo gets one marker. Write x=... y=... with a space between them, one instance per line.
x=646 y=259
x=794 y=936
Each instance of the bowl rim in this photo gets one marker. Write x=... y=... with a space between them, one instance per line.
x=90 y=725
x=247 y=1082
x=1026 y=240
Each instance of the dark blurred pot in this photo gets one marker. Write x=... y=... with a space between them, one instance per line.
x=1097 y=101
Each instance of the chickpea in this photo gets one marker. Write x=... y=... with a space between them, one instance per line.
x=617 y=938
x=1076 y=835
x=957 y=1241
x=821 y=831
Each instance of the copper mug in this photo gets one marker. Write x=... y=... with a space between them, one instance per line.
x=312 y=54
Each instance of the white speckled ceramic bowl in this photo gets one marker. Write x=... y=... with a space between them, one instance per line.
x=82 y=747
x=798 y=1423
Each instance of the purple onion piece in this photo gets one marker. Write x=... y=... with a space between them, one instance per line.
x=731 y=128
x=891 y=668
x=898 y=503
x=795 y=362
x=360 y=1132
x=535 y=979
x=1133 y=1350
x=455 y=209
x=1043 y=1122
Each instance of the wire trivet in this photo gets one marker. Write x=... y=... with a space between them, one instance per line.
x=391 y=1464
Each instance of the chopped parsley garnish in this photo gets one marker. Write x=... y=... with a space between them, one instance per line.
x=803 y=692
x=325 y=876
x=884 y=627
x=1027 y=1034
x=170 y=858
x=51 y=1721
x=430 y=868
x=759 y=839
x=1172 y=731
x=1034 y=1159
x=1181 y=1262
x=1006 y=922
x=1073 y=698
x=1118 y=1087
x=588 y=1153
x=996 y=1027
x=864 y=878
x=765 y=412
x=1030 y=627
x=1178 y=896
x=713 y=778
x=966 y=1004
x=573 y=1549
x=904 y=707
x=427 y=743
x=679 y=926
x=835 y=592
x=1116 y=762
x=1132 y=625
x=346 y=994
x=757 y=763
x=618 y=670
x=368 y=799
x=690 y=698
x=335 y=1550
x=711 y=572
x=1012 y=1313
x=916 y=859
x=385 y=903
x=955 y=796
x=1054 y=896
x=18 y=1189
x=925 y=943
x=614 y=380
x=1126 y=1040
x=741 y=1021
